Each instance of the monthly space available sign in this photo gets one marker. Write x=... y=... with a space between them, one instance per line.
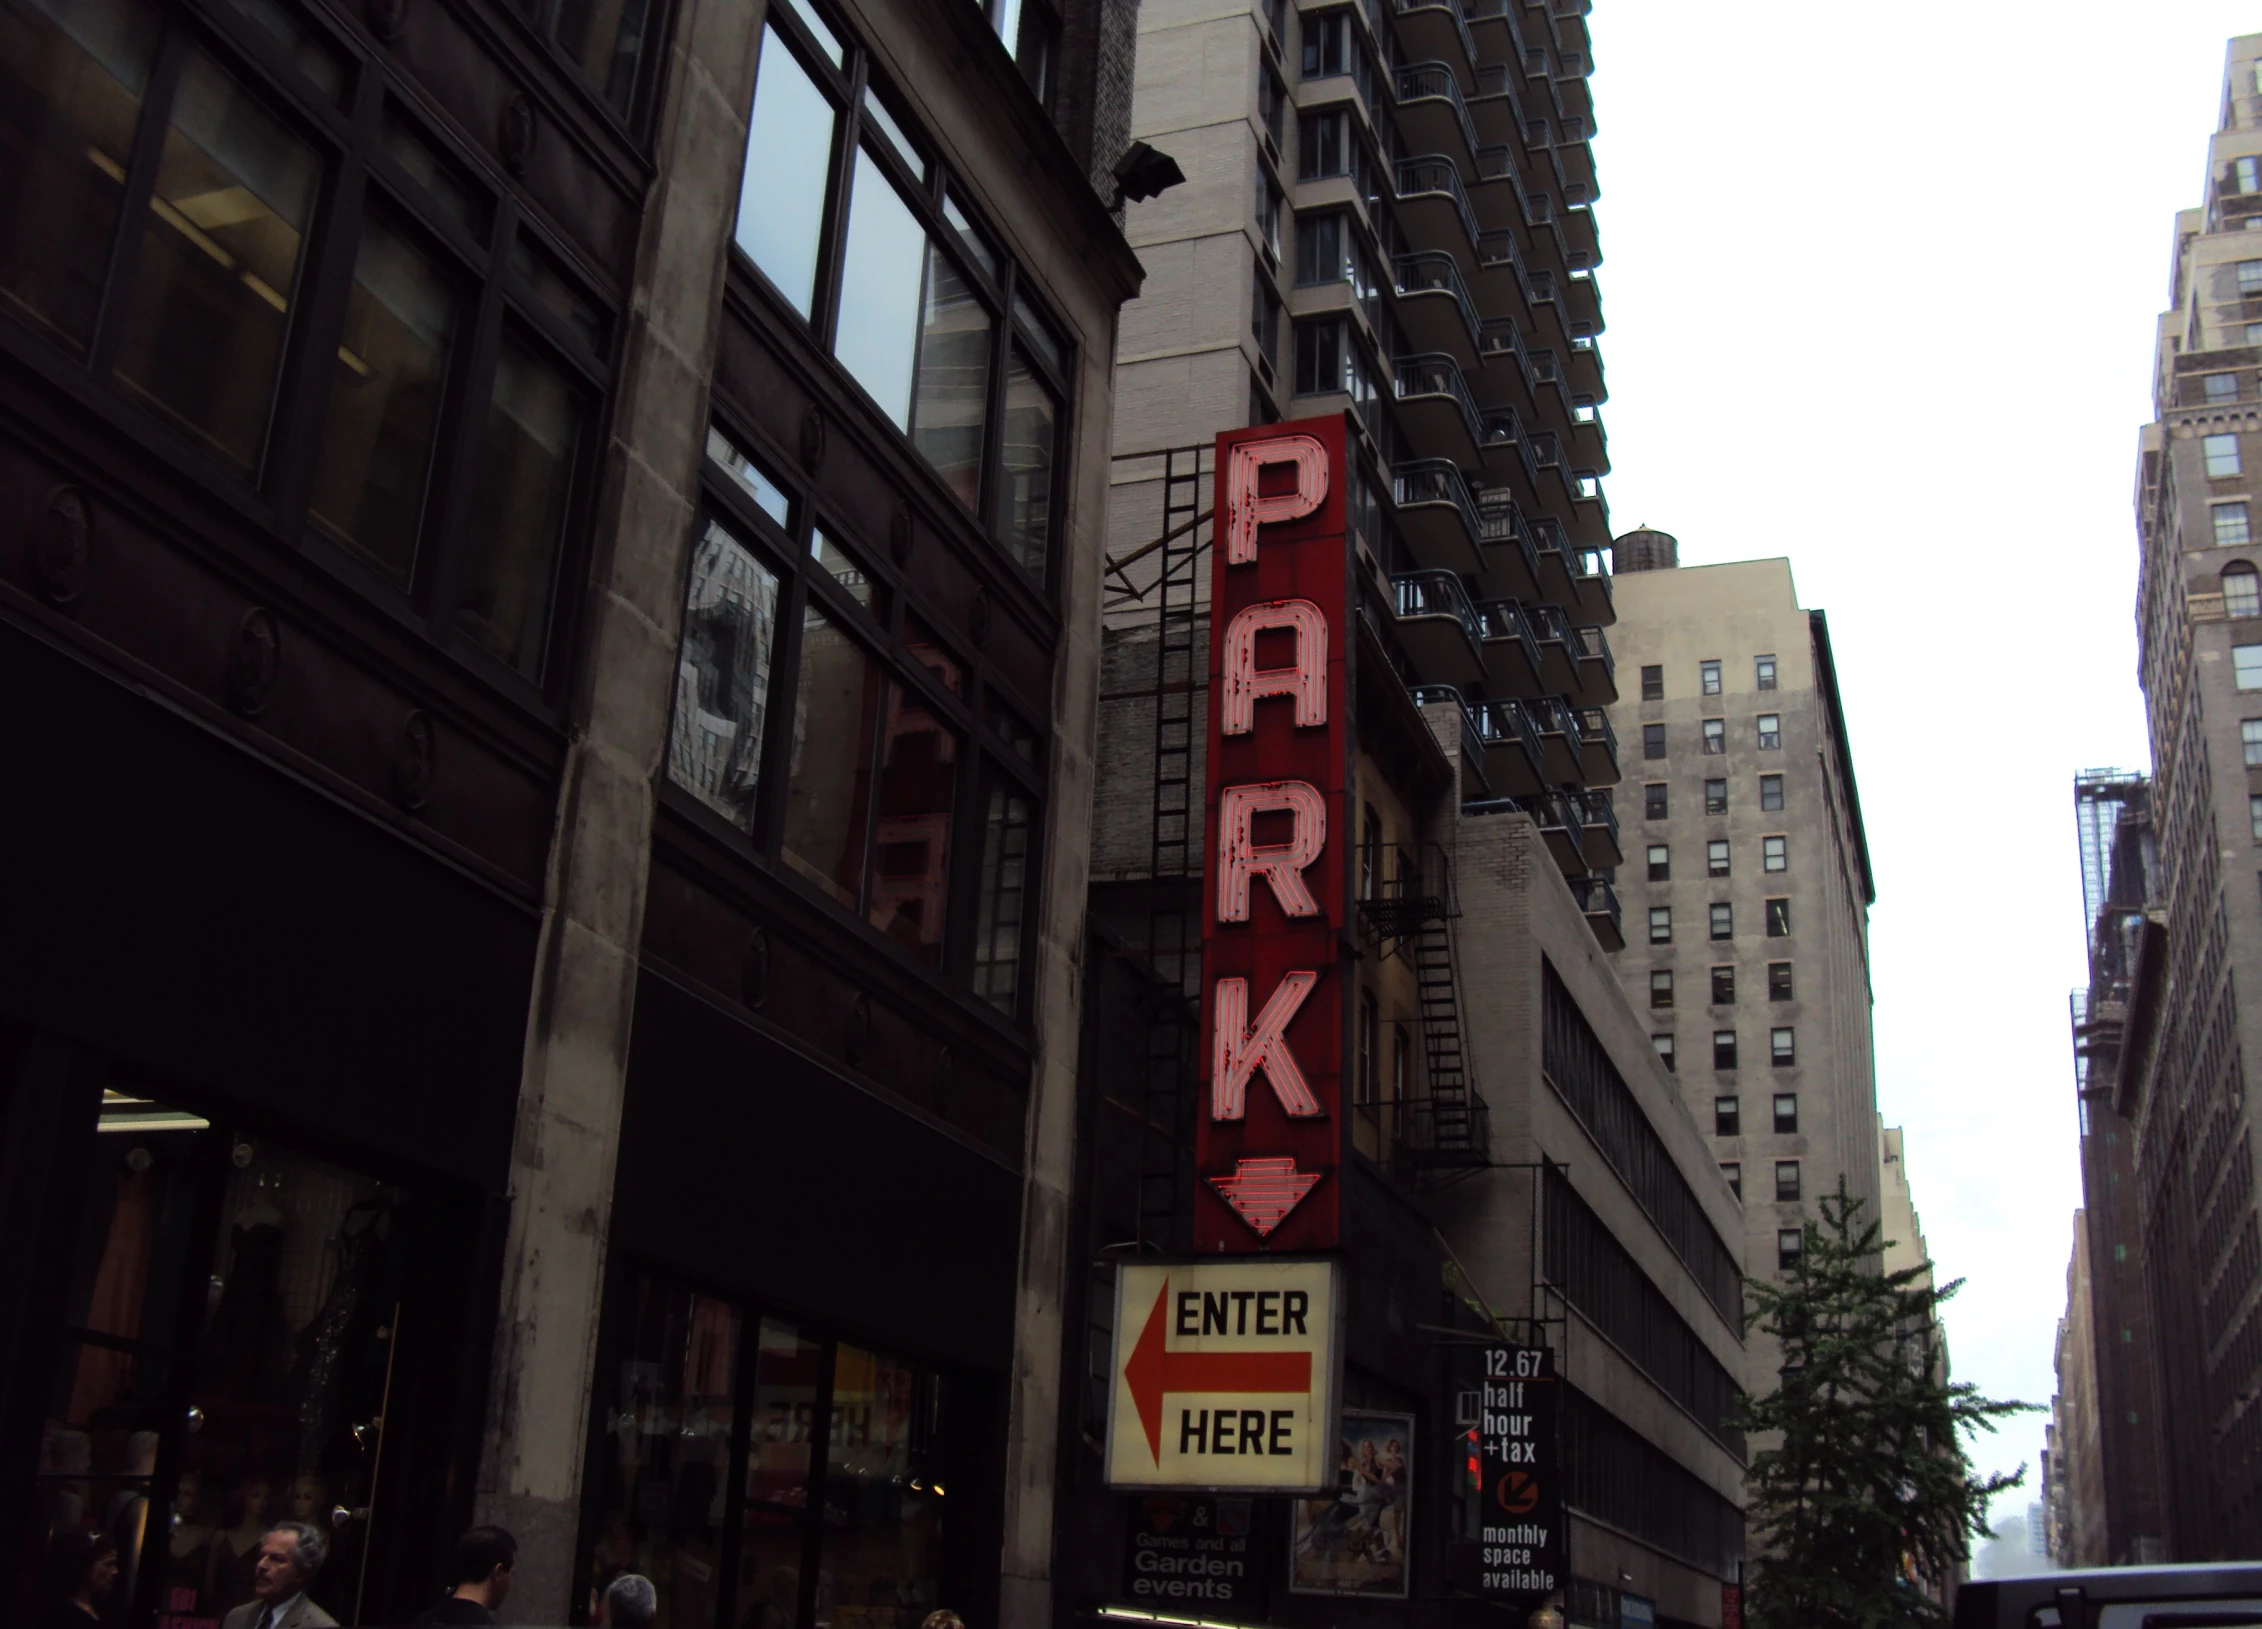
x=1519 y=1552
x=1225 y=1376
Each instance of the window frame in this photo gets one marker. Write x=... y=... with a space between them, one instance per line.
x=1787 y=1182
x=1785 y=1122
x=2215 y=449
x=1725 y=1049
x=1727 y=1114
x=1720 y=921
x=1661 y=918
x=1660 y=987
x=1775 y=852
x=1783 y=988
x=1708 y=677
x=1763 y=672
x=1778 y=917
x=1658 y=807
x=359 y=177
x=1653 y=681
x=1713 y=737
x=1770 y=740
x=1659 y=859
x=1662 y=1044
x=1653 y=741
x=1783 y=1046
x=1733 y=1171
x=1716 y=805
x=1009 y=296
x=1722 y=984
x=1768 y=783
x=985 y=756
x=1716 y=857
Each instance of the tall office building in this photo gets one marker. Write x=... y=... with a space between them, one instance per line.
x=2073 y=1477
x=1386 y=228
x=2185 y=1070
x=1747 y=885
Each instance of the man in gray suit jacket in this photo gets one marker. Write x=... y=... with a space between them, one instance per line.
x=290 y=1554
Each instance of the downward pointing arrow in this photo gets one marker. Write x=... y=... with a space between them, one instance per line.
x=1263 y=1192
x=1153 y=1369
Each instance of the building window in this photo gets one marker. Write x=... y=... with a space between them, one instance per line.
x=1779 y=981
x=1653 y=740
x=2221 y=453
x=1325 y=145
x=1786 y=1114
x=2254 y=813
x=1653 y=801
x=1727 y=1118
x=1264 y=317
x=1268 y=205
x=1715 y=797
x=1790 y=1244
x=1664 y=1046
x=1716 y=857
x=1783 y=1047
x=1661 y=924
x=2229 y=521
x=1723 y=1049
x=1733 y=1170
x=2220 y=387
x=1715 y=737
x=2249 y=278
x=1778 y=918
x=1770 y=793
x=1771 y=732
x=2246 y=666
x=1653 y=682
x=2246 y=175
x=1708 y=678
x=1724 y=986
x=1323 y=249
x=1367 y=1082
x=1660 y=863
x=2250 y=739
x=1661 y=987
x=1764 y=671
x=2242 y=591
x=1786 y=1181
x=1774 y=854
x=917 y=302
x=1723 y=920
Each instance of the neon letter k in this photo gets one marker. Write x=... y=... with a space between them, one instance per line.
x=1242 y=1051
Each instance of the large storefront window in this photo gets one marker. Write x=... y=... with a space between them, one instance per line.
x=226 y=1362
x=705 y=1461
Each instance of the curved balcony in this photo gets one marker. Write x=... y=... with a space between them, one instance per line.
x=1497 y=108
x=1558 y=648
x=1437 y=516
x=1560 y=827
x=1511 y=747
x=1511 y=651
x=1433 y=206
x=1598 y=829
x=1435 y=28
x=1558 y=739
x=1435 y=307
x=1592 y=579
x=1558 y=576
x=1598 y=903
x=1474 y=786
x=1431 y=114
x=1498 y=275
x=1499 y=198
x=1511 y=564
x=1598 y=747
x=1438 y=628
x=1435 y=408
x=1598 y=669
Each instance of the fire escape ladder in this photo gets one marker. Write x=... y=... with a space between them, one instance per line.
x=1445 y=1129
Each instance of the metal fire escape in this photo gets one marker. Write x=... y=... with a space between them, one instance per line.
x=1411 y=910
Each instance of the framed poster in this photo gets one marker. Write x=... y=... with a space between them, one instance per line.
x=1354 y=1541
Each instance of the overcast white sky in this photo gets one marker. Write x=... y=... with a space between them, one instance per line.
x=1880 y=285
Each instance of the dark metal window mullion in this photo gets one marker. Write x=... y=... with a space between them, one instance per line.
x=820 y=1456
x=439 y=572
x=741 y=1438
x=991 y=510
x=319 y=302
x=832 y=264
x=784 y=696
x=133 y=199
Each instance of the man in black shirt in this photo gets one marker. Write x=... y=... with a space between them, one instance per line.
x=484 y=1559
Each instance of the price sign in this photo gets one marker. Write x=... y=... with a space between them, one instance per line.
x=1521 y=1554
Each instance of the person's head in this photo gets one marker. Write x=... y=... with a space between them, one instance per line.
x=290 y=1554
x=631 y=1602
x=943 y=1618
x=82 y=1564
x=250 y=1501
x=309 y=1495
x=484 y=1559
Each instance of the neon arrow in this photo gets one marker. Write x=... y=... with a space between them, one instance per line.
x=1263 y=1192
x=1153 y=1369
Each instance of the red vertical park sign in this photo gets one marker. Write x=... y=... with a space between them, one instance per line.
x=1269 y=1147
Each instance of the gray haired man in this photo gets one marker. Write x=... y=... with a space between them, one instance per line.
x=630 y=1602
x=290 y=1554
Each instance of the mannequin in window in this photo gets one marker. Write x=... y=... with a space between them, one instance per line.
x=234 y=1567
x=248 y=1341
x=191 y=1545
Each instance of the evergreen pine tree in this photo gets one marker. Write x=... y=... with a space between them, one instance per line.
x=1867 y=1481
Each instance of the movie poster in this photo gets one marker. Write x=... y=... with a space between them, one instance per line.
x=1353 y=1541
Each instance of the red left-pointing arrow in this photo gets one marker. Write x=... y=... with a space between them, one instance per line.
x=1154 y=1369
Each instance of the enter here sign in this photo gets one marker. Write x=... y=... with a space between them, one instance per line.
x=1225 y=1375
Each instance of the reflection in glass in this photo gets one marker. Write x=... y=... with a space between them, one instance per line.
x=722 y=685
x=836 y=708
x=206 y=318
x=442 y=182
x=789 y=155
x=879 y=291
x=977 y=241
x=369 y=482
x=605 y=38
x=1006 y=833
x=879 y=118
x=560 y=293
x=954 y=379
x=526 y=468
x=1010 y=727
x=755 y=481
x=842 y=567
x=930 y=653
x=883 y=1504
x=668 y=1431
x=827 y=41
x=1038 y=330
x=784 y=1419
x=309 y=52
x=1032 y=429
x=72 y=74
x=909 y=888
